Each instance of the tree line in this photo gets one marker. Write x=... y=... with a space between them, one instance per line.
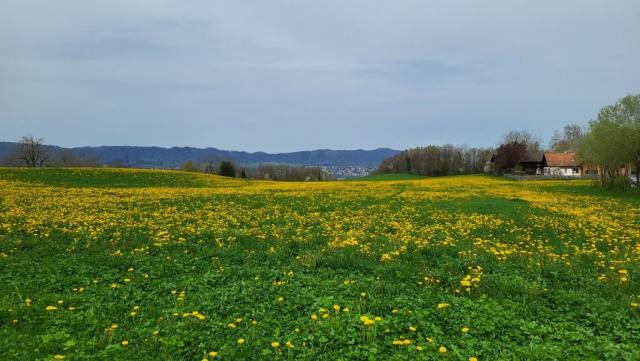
x=436 y=160
x=274 y=172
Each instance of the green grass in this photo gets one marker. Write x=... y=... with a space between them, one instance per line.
x=116 y=178
x=386 y=177
x=104 y=241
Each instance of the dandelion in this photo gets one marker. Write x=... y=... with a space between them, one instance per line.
x=213 y=354
x=412 y=329
x=281 y=299
x=442 y=349
x=51 y=308
x=314 y=317
x=232 y=325
x=465 y=329
x=240 y=341
x=473 y=358
x=336 y=308
x=59 y=357
x=275 y=344
x=289 y=344
x=442 y=306
x=124 y=343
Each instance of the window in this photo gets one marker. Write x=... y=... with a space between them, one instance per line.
x=576 y=170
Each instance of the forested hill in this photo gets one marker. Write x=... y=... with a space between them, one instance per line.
x=157 y=157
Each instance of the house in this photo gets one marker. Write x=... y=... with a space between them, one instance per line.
x=531 y=164
x=563 y=164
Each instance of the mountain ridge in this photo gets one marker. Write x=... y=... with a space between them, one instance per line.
x=173 y=157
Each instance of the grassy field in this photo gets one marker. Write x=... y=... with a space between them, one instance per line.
x=159 y=265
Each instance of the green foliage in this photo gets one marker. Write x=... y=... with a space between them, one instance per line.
x=227 y=169
x=613 y=140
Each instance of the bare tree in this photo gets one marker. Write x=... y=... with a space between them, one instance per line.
x=531 y=140
x=569 y=140
x=32 y=152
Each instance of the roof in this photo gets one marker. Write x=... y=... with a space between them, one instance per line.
x=532 y=157
x=557 y=159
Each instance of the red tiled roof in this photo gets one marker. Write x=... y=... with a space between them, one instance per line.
x=554 y=159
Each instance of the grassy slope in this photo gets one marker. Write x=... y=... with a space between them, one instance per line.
x=386 y=177
x=237 y=247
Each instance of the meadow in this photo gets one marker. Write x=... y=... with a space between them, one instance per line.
x=106 y=264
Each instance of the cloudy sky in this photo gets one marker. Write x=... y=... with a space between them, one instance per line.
x=290 y=75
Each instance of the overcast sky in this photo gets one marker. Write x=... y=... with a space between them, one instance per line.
x=294 y=75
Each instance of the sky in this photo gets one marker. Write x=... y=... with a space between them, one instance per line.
x=281 y=76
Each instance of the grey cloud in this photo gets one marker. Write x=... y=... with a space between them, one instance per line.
x=285 y=75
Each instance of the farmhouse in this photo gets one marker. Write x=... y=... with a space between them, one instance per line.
x=561 y=164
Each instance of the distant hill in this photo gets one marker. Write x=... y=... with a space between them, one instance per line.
x=158 y=157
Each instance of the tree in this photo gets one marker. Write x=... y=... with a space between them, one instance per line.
x=227 y=169
x=613 y=140
x=32 y=152
x=509 y=155
x=437 y=161
x=532 y=141
x=188 y=166
x=569 y=140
